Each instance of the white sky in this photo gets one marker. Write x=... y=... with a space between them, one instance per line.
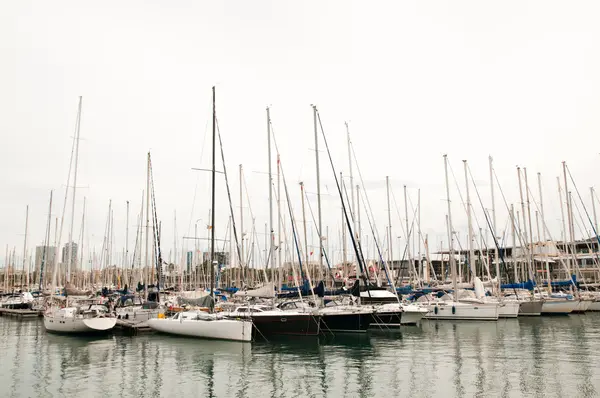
x=515 y=79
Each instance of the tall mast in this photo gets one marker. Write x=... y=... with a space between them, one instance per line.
x=305 y=234
x=269 y=248
x=451 y=249
x=525 y=235
x=279 y=222
x=496 y=254
x=546 y=248
x=389 y=228
x=408 y=234
x=82 y=240
x=514 y=242
x=46 y=244
x=319 y=190
x=25 y=269
x=419 y=259
x=70 y=242
x=351 y=179
x=147 y=257
x=470 y=226
x=241 y=270
x=212 y=222
x=570 y=222
x=530 y=223
x=126 y=260
x=358 y=213
x=344 y=249
x=564 y=226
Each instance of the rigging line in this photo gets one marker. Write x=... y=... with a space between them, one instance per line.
x=512 y=217
x=583 y=233
x=494 y=237
x=552 y=239
x=363 y=186
x=156 y=228
x=385 y=266
x=584 y=207
x=318 y=232
x=198 y=175
x=348 y=224
x=408 y=234
x=292 y=220
x=359 y=245
x=235 y=235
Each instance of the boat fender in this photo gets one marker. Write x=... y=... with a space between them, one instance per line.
x=435 y=310
x=126 y=316
x=453 y=310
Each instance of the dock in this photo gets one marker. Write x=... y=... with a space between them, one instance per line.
x=20 y=313
x=131 y=327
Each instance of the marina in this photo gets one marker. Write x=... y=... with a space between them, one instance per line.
x=299 y=199
x=527 y=356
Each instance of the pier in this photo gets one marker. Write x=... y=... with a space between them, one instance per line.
x=20 y=313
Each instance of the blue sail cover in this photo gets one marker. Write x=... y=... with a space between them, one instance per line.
x=563 y=283
x=529 y=285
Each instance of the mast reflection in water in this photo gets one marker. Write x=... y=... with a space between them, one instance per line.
x=516 y=357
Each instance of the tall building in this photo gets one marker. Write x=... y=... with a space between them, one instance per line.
x=65 y=256
x=49 y=258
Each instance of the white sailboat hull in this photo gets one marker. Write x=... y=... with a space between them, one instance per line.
x=509 y=309
x=412 y=314
x=583 y=306
x=463 y=311
x=559 y=307
x=594 y=306
x=221 y=329
x=78 y=325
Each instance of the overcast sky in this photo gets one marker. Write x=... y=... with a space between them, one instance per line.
x=517 y=80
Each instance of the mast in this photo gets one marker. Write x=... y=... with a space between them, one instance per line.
x=351 y=178
x=470 y=226
x=564 y=225
x=496 y=254
x=344 y=249
x=389 y=228
x=212 y=222
x=279 y=222
x=25 y=270
x=46 y=243
x=419 y=236
x=126 y=261
x=514 y=242
x=546 y=249
x=241 y=270
x=451 y=249
x=272 y=231
x=82 y=240
x=530 y=223
x=70 y=247
x=146 y=262
x=319 y=189
x=305 y=234
x=571 y=242
x=408 y=234
x=524 y=221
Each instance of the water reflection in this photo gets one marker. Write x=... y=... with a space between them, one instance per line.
x=524 y=357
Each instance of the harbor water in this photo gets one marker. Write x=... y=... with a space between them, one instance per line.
x=528 y=357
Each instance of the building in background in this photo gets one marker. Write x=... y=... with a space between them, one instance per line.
x=65 y=256
x=49 y=257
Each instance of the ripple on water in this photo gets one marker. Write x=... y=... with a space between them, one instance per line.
x=541 y=357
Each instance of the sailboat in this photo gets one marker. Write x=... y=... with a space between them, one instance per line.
x=90 y=318
x=198 y=323
x=449 y=306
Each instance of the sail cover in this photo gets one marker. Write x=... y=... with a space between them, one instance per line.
x=266 y=291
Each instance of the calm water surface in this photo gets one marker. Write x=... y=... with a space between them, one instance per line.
x=537 y=357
